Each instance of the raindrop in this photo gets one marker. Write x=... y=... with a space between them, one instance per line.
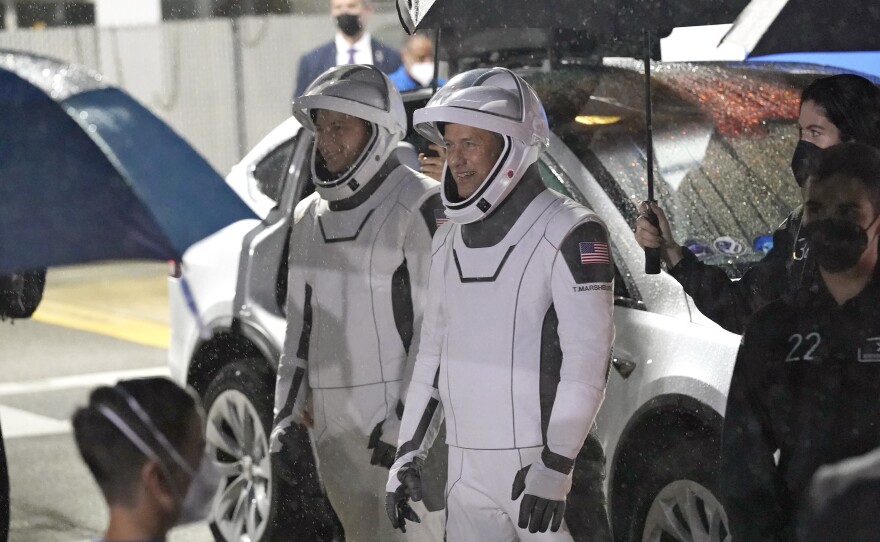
x=93 y=128
x=83 y=115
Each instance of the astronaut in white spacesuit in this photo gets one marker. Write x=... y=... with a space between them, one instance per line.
x=518 y=326
x=359 y=259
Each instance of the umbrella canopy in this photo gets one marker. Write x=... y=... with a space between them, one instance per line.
x=618 y=20
x=87 y=173
x=767 y=27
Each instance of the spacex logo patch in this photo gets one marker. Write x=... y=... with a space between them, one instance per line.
x=869 y=352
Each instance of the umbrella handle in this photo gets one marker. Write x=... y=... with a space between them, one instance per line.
x=652 y=255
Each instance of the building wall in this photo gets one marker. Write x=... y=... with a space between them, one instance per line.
x=221 y=83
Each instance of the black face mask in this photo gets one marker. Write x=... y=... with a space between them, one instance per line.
x=804 y=155
x=836 y=244
x=349 y=24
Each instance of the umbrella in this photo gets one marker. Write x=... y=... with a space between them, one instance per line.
x=621 y=20
x=768 y=27
x=625 y=23
x=87 y=173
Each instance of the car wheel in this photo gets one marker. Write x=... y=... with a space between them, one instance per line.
x=239 y=420
x=686 y=511
x=678 y=496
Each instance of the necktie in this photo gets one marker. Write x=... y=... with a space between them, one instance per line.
x=351 y=53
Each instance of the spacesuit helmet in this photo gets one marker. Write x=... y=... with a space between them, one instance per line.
x=363 y=92
x=499 y=101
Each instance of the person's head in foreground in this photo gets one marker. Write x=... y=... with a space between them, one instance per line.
x=143 y=442
x=841 y=210
x=836 y=109
x=358 y=118
x=493 y=127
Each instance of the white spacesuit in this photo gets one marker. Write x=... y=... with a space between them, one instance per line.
x=517 y=331
x=359 y=258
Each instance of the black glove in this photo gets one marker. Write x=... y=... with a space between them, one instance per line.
x=383 y=453
x=409 y=486
x=539 y=513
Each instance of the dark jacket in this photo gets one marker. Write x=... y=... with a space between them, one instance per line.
x=318 y=60
x=20 y=293
x=806 y=382
x=730 y=303
x=843 y=502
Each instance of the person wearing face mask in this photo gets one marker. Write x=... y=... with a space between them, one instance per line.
x=353 y=44
x=360 y=249
x=833 y=110
x=143 y=442
x=807 y=379
x=417 y=70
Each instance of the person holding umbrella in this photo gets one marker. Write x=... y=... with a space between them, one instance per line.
x=833 y=110
x=518 y=323
x=807 y=379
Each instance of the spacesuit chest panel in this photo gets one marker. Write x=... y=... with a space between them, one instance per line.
x=349 y=265
x=496 y=301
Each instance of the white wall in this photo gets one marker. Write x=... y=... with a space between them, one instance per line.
x=127 y=12
x=186 y=71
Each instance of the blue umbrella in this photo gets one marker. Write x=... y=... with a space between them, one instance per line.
x=87 y=173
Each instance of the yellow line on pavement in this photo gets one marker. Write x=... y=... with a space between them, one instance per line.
x=119 y=326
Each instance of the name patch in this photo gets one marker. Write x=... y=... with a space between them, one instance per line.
x=593 y=287
x=869 y=352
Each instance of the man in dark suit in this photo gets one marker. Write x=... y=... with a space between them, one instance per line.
x=352 y=45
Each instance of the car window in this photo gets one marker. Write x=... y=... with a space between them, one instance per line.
x=722 y=147
x=269 y=173
x=552 y=181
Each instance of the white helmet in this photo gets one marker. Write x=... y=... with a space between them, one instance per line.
x=366 y=93
x=499 y=101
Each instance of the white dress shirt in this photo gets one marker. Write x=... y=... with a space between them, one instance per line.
x=363 y=50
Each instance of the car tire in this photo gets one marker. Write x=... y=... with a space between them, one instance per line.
x=252 y=502
x=238 y=404
x=676 y=498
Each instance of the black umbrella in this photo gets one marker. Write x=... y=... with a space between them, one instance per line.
x=788 y=26
x=629 y=26
x=87 y=173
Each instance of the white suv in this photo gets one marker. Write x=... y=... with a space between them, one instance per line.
x=723 y=138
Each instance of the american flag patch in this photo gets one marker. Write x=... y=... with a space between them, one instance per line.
x=593 y=252
x=440 y=217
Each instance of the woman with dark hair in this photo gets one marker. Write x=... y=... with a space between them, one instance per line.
x=143 y=442
x=833 y=110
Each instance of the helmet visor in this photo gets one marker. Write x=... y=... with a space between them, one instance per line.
x=352 y=83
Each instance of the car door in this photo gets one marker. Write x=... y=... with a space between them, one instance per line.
x=261 y=293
